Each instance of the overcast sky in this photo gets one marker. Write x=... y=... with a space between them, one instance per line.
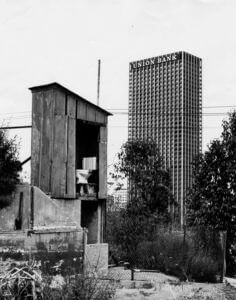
x=62 y=40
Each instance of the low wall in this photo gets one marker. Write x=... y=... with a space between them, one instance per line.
x=52 y=249
x=36 y=209
x=55 y=212
x=50 y=229
x=9 y=214
x=96 y=258
x=34 y=224
x=53 y=240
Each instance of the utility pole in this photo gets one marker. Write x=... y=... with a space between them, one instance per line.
x=98 y=87
x=16 y=127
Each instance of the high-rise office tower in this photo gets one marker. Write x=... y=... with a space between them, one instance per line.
x=165 y=103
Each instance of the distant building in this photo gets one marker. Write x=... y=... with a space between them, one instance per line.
x=165 y=103
x=121 y=197
x=117 y=200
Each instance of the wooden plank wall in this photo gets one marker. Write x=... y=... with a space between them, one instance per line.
x=87 y=112
x=41 y=146
x=102 y=163
x=37 y=101
x=53 y=143
x=63 y=172
x=46 y=144
x=58 y=174
x=71 y=148
x=53 y=150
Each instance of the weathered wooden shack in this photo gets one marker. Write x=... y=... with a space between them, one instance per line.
x=66 y=129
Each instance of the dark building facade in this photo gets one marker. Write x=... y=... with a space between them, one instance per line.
x=165 y=103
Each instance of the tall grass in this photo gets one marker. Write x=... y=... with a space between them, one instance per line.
x=194 y=256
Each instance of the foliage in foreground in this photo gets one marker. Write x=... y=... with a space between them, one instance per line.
x=9 y=167
x=81 y=287
x=26 y=282
x=212 y=201
x=194 y=256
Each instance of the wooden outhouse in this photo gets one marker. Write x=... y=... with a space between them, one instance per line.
x=69 y=152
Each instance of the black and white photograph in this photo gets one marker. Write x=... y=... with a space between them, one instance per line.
x=118 y=150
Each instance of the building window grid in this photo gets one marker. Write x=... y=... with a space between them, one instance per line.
x=155 y=92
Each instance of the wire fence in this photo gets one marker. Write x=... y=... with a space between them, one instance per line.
x=193 y=254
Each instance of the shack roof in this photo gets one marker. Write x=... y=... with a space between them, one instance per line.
x=55 y=85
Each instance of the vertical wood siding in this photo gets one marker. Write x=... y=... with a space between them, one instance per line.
x=53 y=147
x=102 y=163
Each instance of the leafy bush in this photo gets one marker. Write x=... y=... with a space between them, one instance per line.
x=167 y=254
x=203 y=269
x=189 y=257
x=80 y=287
x=9 y=168
x=25 y=281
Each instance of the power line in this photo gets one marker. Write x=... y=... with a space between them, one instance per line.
x=214 y=106
x=119 y=126
x=162 y=127
x=153 y=113
x=216 y=114
x=169 y=127
x=17 y=117
x=17 y=112
x=118 y=109
x=220 y=106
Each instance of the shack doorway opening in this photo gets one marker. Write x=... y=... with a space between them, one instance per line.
x=89 y=220
x=87 y=153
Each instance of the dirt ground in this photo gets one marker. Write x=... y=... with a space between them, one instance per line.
x=158 y=286
x=165 y=291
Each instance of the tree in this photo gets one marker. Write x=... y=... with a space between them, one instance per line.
x=212 y=201
x=149 y=197
x=149 y=184
x=9 y=167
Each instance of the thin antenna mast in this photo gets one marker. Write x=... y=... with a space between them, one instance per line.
x=98 y=87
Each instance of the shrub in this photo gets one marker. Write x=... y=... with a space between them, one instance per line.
x=9 y=167
x=167 y=254
x=79 y=287
x=89 y=287
x=203 y=269
x=26 y=282
x=193 y=256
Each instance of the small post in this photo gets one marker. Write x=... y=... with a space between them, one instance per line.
x=85 y=237
x=99 y=224
x=33 y=289
x=85 y=240
x=132 y=274
x=223 y=237
x=98 y=87
x=32 y=208
x=184 y=239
